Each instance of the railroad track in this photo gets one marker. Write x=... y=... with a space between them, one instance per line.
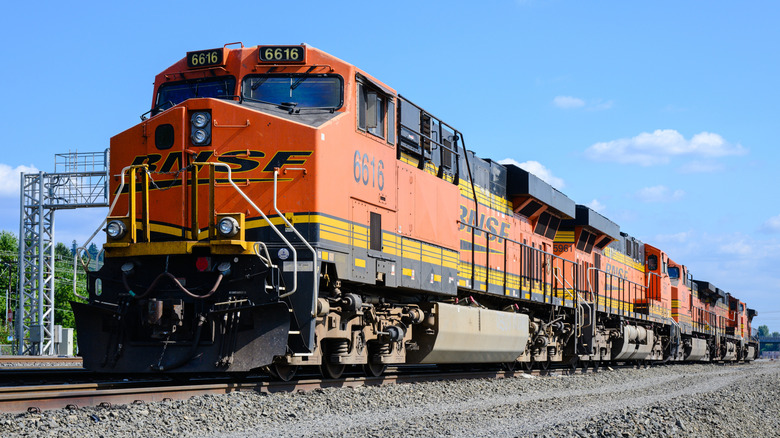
x=104 y=390
x=39 y=361
x=36 y=398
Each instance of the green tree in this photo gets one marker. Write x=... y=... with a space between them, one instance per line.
x=62 y=252
x=775 y=335
x=63 y=281
x=9 y=253
x=63 y=286
x=763 y=330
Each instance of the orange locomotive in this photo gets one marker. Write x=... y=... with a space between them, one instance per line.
x=281 y=208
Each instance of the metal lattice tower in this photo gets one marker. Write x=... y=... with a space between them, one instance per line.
x=79 y=180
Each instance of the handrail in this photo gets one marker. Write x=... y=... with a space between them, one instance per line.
x=610 y=297
x=110 y=209
x=593 y=268
x=243 y=195
x=313 y=251
x=435 y=142
x=565 y=282
x=707 y=316
x=267 y=258
x=268 y=221
x=454 y=149
x=441 y=122
x=650 y=276
x=488 y=233
x=580 y=315
x=679 y=330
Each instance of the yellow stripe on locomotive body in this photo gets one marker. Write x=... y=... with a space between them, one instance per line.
x=624 y=259
x=564 y=237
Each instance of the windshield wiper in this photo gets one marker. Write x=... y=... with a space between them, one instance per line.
x=302 y=78
x=287 y=106
x=262 y=79
x=260 y=101
x=331 y=109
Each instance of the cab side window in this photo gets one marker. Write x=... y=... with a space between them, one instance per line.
x=375 y=112
x=652 y=262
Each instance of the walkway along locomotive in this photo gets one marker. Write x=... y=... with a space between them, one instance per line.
x=281 y=208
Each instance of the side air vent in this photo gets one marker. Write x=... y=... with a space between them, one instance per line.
x=530 y=209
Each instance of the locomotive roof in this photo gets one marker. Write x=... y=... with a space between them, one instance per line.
x=707 y=290
x=586 y=216
x=520 y=182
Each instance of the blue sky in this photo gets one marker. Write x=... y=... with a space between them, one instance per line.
x=663 y=116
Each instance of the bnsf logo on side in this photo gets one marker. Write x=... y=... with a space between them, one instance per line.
x=247 y=161
x=491 y=224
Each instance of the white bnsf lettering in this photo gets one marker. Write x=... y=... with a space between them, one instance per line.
x=617 y=271
x=496 y=230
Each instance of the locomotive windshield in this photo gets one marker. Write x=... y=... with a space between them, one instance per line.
x=174 y=93
x=296 y=90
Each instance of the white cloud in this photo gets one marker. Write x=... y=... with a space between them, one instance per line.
x=596 y=205
x=568 y=102
x=737 y=248
x=600 y=105
x=10 y=179
x=701 y=167
x=659 y=194
x=772 y=225
x=681 y=237
x=648 y=149
x=539 y=170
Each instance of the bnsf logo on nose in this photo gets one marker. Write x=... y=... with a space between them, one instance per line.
x=246 y=160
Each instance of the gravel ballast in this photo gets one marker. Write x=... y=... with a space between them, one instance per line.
x=681 y=400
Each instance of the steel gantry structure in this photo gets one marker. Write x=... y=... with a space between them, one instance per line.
x=79 y=180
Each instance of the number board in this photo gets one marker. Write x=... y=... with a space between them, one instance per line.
x=278 y=54
x=206 y=58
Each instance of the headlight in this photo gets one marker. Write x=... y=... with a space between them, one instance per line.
x=228 y=227
x=200 y=120
x=200 y=128
x=115 y=229
x=199 y=136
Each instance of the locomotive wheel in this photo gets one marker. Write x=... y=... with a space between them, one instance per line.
x=332 y=370
x=544 y=366
x=527 y=366
x=374 y=369
x=282 y=372
x=509 y=366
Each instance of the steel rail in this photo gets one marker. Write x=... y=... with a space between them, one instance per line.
x=70 y=396
x=50 y=361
